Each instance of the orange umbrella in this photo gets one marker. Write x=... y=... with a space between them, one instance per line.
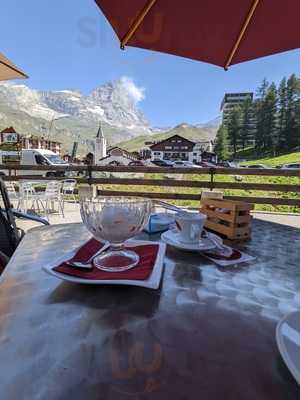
x=220 y=32
x=9 y=71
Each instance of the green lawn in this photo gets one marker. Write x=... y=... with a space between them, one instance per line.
x=275 y=161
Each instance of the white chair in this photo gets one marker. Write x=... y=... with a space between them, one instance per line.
x=10 y=234
x=21 y=197
x=51 y=195
x=68 y=189
x=12 y=194
x=28 y=194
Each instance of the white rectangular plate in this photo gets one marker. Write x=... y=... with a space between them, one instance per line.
x=152 y=282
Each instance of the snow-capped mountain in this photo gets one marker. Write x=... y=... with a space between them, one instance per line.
x=22 y=98
x=115 y=103
x=69 y=115
x=119 y=104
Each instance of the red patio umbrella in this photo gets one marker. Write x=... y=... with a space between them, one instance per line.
x=221 y=32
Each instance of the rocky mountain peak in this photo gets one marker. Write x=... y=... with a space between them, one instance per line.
x=115 y=103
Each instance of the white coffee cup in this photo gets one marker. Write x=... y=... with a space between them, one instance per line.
x=190 y=226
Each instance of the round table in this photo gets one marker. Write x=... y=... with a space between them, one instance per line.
x=207 y=333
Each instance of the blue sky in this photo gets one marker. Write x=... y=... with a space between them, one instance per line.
x=68 y=44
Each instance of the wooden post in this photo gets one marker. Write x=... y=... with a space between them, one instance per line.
x=137 y=23
x=241 y=34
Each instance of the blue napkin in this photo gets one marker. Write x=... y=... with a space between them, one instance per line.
x=159 y=222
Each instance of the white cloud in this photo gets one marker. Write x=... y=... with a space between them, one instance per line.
x=135 y=92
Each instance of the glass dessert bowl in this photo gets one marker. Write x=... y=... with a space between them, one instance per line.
x=115 y=219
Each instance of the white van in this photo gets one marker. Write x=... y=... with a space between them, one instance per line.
x=32 y=157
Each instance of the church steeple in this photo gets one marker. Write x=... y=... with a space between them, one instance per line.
x=100 y=134
x=100 y=145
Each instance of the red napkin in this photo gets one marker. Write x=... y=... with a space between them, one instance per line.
x=234 y=256
x=142 y=271
x=85 y=252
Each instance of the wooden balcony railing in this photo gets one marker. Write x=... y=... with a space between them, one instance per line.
x=289 y=192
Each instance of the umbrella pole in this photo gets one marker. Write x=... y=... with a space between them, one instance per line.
x=14 y=69
x=242 y=33
x=139 y=19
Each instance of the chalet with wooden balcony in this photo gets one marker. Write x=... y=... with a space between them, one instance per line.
x=177 y=148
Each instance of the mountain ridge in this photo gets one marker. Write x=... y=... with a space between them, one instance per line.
x=191 y=132
x=68 y=115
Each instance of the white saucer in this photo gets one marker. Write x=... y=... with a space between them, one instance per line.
x=172 y=238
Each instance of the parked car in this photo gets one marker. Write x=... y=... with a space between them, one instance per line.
x=163 y=163
x=192 y=165
x=136 y=163
x=228 y=164
x=185 y=164
x=206 y=164
x=291 y=166
x=261 y=166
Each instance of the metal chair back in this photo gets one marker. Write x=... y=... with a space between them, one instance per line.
x=9 y=234
x=53 y=189
x=68 y=186
x=27 y=189
x=11 y=191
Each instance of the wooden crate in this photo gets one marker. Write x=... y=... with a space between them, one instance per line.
x=227 y=217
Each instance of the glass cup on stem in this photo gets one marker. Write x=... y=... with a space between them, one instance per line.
x=115 y=219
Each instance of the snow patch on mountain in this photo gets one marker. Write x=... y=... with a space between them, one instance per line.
x=115 y=103
x=22 y=98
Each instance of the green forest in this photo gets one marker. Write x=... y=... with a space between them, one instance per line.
x=267 y=126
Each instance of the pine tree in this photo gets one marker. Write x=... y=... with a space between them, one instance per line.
x=260 y=116
x=295 y=143
x=221 y=147
x=292 y=131
x=266 y=118
x=262 y=89
x=248 y=124
x=270 y=136
x=273 y=118
x=282 y=111
x=234 y=128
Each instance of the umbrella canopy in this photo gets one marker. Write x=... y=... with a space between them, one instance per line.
x=9 y=71
x=215 y=31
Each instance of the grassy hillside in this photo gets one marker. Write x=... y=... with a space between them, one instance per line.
x=275 y=161
x=187 y=131
x=137 y=143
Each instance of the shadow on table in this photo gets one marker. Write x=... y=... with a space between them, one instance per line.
x=126 y=299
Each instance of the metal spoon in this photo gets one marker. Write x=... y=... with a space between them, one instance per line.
x=88 y=264
x=225 y=250
x=168 y=206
